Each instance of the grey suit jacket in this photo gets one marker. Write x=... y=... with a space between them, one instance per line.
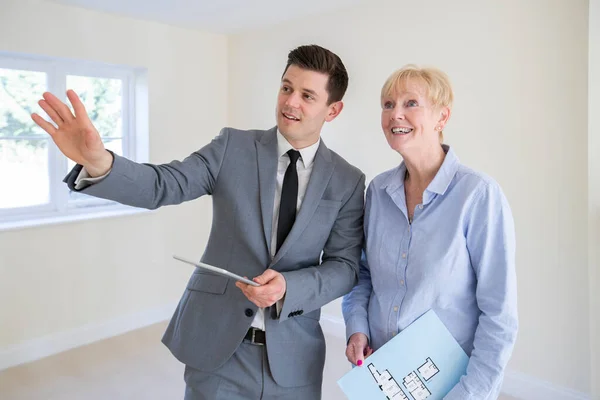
x=319 y=258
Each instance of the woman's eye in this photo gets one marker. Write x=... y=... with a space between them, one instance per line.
x=412 y=103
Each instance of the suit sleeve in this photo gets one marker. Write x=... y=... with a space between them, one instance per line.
x=152 y=186
x=311 y=288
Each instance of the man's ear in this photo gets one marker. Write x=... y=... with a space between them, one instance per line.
x=334 y=110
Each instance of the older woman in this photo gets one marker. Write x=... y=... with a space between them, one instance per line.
x=438 y=236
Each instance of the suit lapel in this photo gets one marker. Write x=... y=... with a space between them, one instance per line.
x=319 y=178
x=266 y=153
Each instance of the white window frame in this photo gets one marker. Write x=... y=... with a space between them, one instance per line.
x=60 y=208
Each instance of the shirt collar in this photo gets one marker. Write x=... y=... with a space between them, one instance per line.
x=307 y=154
x=446 y=173
x=440 y=182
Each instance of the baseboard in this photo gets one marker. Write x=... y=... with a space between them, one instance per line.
x=516 y=384
x=46 y=346
x=527 y=387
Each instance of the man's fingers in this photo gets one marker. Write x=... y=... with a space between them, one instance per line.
x=260 y=298
x=265 y=290
x=266 y=277
x=243 y=287
x=51 y=113
x=58 y=106
x=78 y=106
x=270 y=291
x=240 y=284
x=262 y=293
x=247 y=291
x=45 y=125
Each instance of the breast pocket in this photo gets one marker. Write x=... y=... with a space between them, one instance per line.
x=207 y=283
x=331 y=203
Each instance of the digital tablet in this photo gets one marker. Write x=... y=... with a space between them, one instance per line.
x=217 y=270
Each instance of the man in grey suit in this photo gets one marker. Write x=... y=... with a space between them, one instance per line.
x=287 y=211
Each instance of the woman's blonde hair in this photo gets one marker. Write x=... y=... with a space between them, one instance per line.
x=436 y=83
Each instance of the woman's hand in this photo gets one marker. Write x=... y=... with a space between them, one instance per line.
x=358 y=349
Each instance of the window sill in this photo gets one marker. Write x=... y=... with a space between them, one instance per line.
x=73 y=215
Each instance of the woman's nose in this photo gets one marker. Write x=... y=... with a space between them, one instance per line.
x=397 y=113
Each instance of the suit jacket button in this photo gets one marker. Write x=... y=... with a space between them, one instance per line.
x=249 y=312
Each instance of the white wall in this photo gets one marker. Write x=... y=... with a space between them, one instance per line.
x=58 y=281
x=594 y=192
x=520 y=75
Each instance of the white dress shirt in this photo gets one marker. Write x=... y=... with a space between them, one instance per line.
x=304 y=167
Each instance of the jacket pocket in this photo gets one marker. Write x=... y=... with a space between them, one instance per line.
x=208 y=283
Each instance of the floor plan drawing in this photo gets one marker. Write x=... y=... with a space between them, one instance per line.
x=387 y=384
x=416 y=387
x=412 y=382
x=428 y=370
x=421 y=362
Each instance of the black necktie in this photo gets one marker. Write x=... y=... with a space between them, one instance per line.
x=289 y=199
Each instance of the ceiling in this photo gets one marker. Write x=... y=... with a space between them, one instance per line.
x=218 y=16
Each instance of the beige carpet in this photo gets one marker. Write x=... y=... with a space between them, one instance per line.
x=127 y=367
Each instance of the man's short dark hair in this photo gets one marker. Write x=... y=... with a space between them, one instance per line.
x=318 y=59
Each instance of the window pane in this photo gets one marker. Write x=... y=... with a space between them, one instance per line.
x=102 y=98
x=116 y=146
x=24 y=177
x=19 y=94
x=24 y=173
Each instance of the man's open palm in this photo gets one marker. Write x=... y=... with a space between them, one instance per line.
x=74 y=135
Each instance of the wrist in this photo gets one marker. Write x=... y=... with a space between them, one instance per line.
x=102 y=166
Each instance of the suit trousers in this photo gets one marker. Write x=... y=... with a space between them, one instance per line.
x=245 y=376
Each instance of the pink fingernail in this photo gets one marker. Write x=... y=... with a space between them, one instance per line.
x=359 y=363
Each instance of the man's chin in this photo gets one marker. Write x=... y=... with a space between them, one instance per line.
x=287 y=131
